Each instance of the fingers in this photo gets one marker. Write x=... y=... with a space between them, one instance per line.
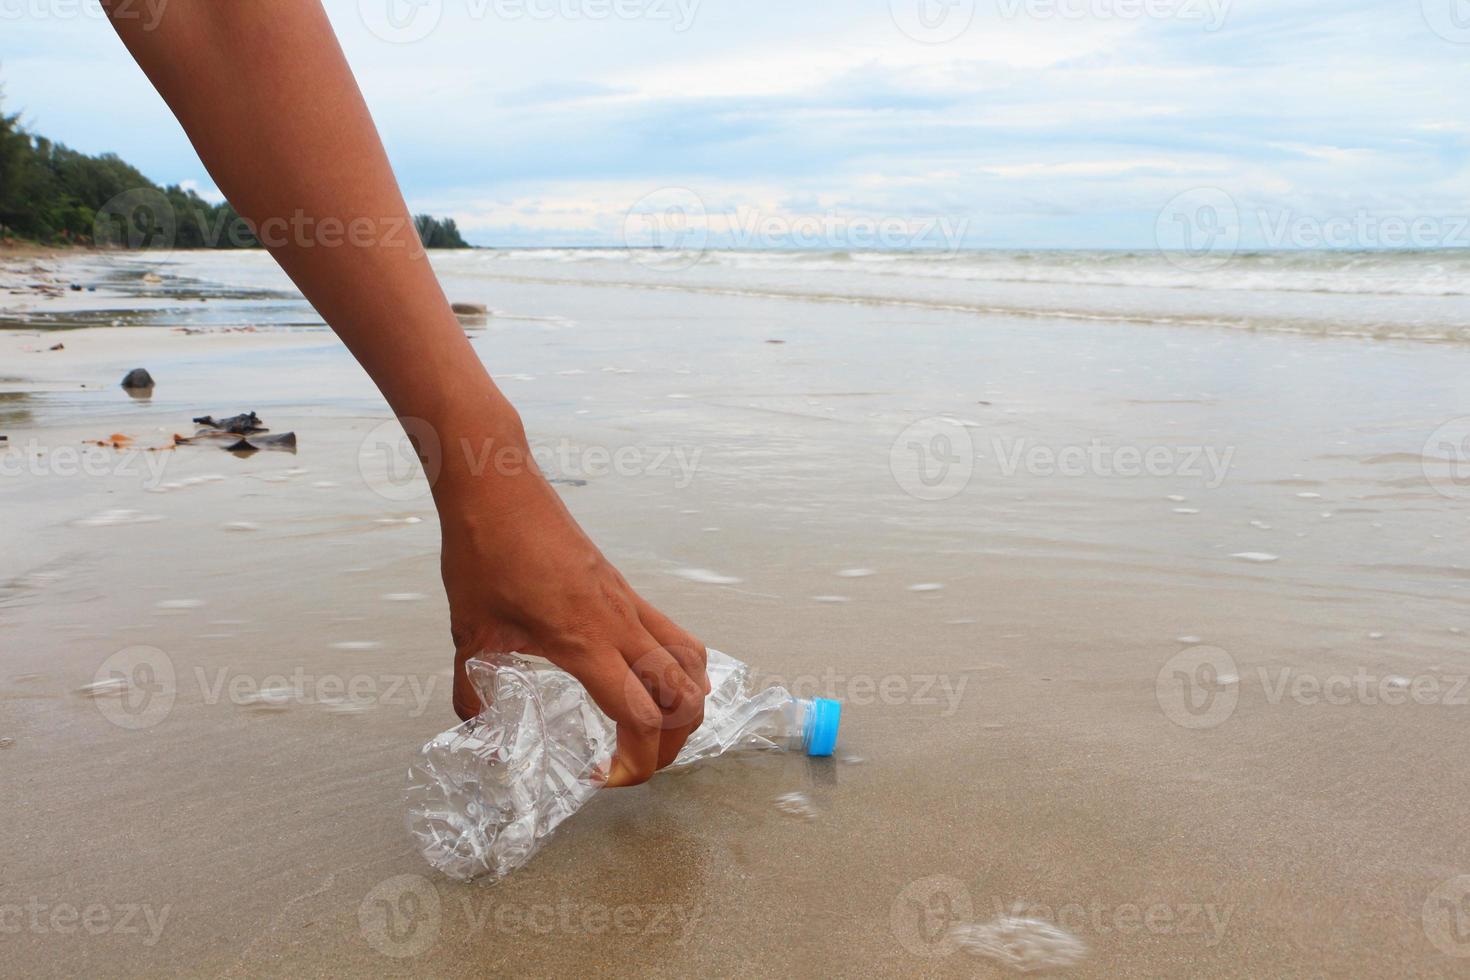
x=470 y=643
x=680 y=701
x=652 y=684
x=681 y=645
x=623 y=698
x=466 y=698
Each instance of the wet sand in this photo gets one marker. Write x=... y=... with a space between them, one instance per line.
x=1196 y=764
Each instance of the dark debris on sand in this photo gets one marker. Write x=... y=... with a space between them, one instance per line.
x=240 y=425
x=243 y=435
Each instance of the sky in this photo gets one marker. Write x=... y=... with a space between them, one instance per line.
x=861 y=123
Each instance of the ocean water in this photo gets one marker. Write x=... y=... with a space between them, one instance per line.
x=1305 y=413
x=1396 y=295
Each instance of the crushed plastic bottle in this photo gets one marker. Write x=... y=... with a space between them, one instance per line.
x=483 y=797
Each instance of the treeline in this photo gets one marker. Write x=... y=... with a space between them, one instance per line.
x=56 y=196
x=439 y=232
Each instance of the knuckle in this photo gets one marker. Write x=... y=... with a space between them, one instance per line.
x=644 y=721
x=694 y=650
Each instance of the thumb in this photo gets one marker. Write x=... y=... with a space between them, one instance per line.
x=466 y=699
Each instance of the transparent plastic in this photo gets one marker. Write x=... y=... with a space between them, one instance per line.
x=483 y=797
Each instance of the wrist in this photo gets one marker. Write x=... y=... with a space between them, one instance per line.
x=481 y=468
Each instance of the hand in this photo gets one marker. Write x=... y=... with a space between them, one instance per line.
x=523 y=577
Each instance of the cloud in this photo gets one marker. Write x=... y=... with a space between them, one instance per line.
x=1043 y=123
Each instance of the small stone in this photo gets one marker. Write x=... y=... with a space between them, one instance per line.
x=138 y=378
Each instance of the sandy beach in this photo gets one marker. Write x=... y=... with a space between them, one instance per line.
x=1146 y=599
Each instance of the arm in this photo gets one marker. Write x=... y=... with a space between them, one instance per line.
x=267 y=98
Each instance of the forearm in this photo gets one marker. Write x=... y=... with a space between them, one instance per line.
x=264 y=93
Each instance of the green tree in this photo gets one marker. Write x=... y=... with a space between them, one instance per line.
x=53 y=194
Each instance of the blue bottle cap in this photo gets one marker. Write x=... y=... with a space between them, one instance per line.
x=821 y=731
